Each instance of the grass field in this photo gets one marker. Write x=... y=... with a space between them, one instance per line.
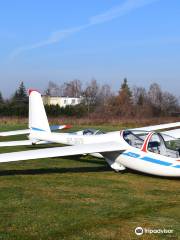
x=81 y=198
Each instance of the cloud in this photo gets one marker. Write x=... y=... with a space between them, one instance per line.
x=115 y=12
x=54 y=37
x=119 y=11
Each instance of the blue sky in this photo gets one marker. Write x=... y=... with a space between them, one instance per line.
x=108 y=40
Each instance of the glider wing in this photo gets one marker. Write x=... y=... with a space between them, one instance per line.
x=159 y=127
x=62 y=151
x=175 y=133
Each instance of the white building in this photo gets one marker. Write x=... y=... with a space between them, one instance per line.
x=61 y=101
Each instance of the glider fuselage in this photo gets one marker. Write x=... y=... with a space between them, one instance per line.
x=132 y=157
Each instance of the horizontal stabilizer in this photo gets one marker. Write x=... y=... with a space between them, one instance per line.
x=16 y=132
x=20 y=143
x=27 y=131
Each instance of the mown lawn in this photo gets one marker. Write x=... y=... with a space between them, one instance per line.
x=82 y=198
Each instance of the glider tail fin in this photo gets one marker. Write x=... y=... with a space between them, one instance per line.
x=37 y=114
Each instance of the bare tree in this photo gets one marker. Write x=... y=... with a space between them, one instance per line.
x=53 y=89
x=105 y=93
x=72 y=88
x=91 y=94
x=103 y=98
x=169 y=104
x=155 y=95
x=141 y=105
x=139 y=96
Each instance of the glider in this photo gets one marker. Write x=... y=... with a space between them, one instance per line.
x=144 y=151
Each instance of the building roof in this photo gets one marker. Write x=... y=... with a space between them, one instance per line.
x=60 y=96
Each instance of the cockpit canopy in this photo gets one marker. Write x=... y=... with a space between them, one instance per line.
x=157 y=143
x=92 y=131
x=88 y=131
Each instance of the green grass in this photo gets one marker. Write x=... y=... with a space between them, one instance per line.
x=82 y=198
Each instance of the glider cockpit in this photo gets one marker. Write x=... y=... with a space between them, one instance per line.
x=89 y=131
x=153 y=142
x=92 y=131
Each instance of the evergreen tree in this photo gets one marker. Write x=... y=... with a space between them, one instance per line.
x=18 y=105
x=1 y=98
x=123 y=102
x=125 y=88
x=20 y=95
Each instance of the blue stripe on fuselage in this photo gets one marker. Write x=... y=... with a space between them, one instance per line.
x=37 y=129
x=131 y=154
x=177 y=166
x=153 y=160
x=147 y=159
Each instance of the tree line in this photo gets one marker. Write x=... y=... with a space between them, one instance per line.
x=98 y=101
x=17 y=105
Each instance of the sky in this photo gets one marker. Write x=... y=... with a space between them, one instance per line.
x=107 y=40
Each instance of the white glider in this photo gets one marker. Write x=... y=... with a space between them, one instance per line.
x=135 y=149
